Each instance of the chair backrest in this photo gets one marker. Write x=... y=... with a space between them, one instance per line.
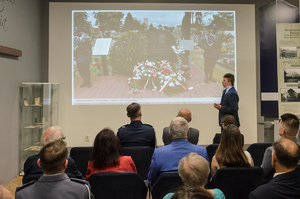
x=237 y=182
x=118 y=185
x=211 y=150
x=81 y=157
x=257 y=151
x=166 y=182
x=141 y=156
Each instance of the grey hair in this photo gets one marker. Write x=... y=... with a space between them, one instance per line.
x=51 y=134
x=179 y=128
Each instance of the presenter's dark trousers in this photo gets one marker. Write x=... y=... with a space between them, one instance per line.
x=84 y=71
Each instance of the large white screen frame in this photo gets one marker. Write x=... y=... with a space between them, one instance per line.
x=78 y=121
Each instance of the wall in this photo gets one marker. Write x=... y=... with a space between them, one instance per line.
x=20 y=28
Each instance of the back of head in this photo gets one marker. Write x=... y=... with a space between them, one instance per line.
x=51 y=134
x=133 y=110
x=107 y=149
x=53 y=157
x=193 y=170
x=287 y=153
x=179 y=128
x=291 y=124
x=230 y=152
x=227 y=119
x=230 y=78
x=187 y=192
x=185 y=113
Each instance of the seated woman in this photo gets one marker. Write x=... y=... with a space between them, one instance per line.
x=106 y=155
x=230 y=152
x=194 y=170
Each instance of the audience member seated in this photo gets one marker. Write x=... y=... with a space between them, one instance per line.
x=4 y=193
x=288 y=128
x=54 y=183
x=136 y=133
x=50 y=134
x=194 y=133
x=194 y=170
x=286 y=180
x=106 y=155
x=225 y=120
x=166 y=158
x=230 y=151
x=191 y=193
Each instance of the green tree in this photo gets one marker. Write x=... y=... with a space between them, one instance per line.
x=108 y=21
x=80 y=21
x=131 y=24
x=224 y=20
x=127 y=51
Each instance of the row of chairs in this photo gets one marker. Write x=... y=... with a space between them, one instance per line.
x=131 y=185
x=142 y=156
x=236 y=183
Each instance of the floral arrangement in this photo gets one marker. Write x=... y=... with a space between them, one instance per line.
x=160 y=73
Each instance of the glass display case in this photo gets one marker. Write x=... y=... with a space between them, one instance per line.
x=38 y=111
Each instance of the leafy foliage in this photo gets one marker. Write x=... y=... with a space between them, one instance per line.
x=128 y=50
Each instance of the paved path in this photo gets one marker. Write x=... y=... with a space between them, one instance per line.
x=116 y=87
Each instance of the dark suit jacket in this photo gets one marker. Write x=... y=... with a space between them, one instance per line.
x=137 y=134
x=285 y=185
x=31 y=168
x=193 y=137
x=229 y=103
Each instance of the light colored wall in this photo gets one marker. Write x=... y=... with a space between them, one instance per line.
x=23 y=32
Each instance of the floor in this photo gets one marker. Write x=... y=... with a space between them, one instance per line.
x=11 y=186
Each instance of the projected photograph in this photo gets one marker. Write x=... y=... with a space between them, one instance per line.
x=291 y=75
x=155 y=56
x=290 y=95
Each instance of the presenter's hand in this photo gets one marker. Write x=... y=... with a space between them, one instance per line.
x=217 y=106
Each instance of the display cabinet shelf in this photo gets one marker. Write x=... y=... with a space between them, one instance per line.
x=38 y=111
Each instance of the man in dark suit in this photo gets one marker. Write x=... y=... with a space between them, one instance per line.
x=31 y=167
x=136 y=133
x=194 y=133
x=229 y=100
x=54 y=183
x=286 y=180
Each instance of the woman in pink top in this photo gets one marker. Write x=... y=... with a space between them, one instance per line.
x=106 y=155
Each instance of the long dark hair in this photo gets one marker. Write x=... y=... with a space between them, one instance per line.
x=107 y=149
x=230 y=152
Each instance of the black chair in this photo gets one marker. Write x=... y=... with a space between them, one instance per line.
x=118 y=185
x=211 y=150
x=81 y=157
x=237 y=182
x=257 y=151
x=141 y=156
x=166 y=182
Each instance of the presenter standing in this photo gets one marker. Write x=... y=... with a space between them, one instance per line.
x=229 y=100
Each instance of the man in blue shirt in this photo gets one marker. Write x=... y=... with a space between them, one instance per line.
x=166 y=158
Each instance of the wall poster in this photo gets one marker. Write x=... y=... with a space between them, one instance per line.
x=288 y=66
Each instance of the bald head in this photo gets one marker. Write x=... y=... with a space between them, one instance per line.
x=51 y=134
x=185 y=113
x=286 y=152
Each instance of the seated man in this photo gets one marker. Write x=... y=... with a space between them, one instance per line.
x=136 y=133
x=286 y=180
x=54 y=183
x=288 y=128
x=194 y=133
x=166 y=158
x=30 y=166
